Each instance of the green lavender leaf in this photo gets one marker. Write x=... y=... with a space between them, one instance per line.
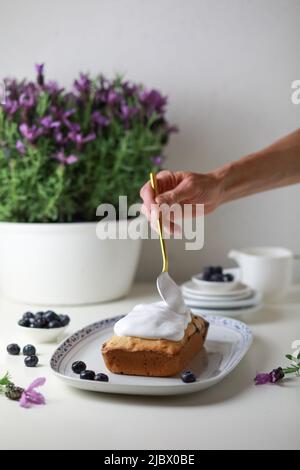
x=4 y=382
x=290 y=370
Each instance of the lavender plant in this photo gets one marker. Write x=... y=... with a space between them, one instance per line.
x=64 y=152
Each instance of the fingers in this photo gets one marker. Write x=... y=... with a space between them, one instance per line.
x=165 y=180
x=147 y=195
x=176 y=195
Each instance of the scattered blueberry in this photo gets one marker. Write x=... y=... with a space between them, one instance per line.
x=101 y=378
x=13 y=349
x=188 y=377
x=87 y=375
x=31 y=361
x=78 y=367
x=29 y=350
x=228 y=277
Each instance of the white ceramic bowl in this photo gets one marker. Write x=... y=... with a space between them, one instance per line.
x=66 y=263
x=213 y=286
x=43 y=335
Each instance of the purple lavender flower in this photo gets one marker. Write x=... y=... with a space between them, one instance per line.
x=31 y=397
x=20 y=147
x=52 y=87
x=112 y=97
x=69 y=160
x=10 y=106
x=262 y=379
x=39 y=68
x=30 y=133
x=73 y=126
x=157 y=160
x=129 y=88
x=128 y=112
x=276 y=375
x=58 y=136
x=99 y=119
x=49 y=123
x=272 y=377
x=27 y=99
x=40 y=73
x=153 y=101
x=79 y=139
x=83 y=84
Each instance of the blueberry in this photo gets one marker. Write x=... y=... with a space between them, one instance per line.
x=228 y=277
x=217 y=278
x=207 y=272
x=39 y=315
x=78 y=367
x=188 y=377
x=64 y=319
x=51 y=316
x=40 y=323
x=13 y=349
x=28 y=315
x=29 y=350
x=24 y=323
x=31 y=361
x=218 y=270
x=101 y=377
x=87 y=375
x=54 y=324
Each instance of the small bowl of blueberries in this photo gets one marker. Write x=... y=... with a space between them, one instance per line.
x=44 y=327
x=216 y=279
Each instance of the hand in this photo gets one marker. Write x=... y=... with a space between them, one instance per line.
x=183 y=188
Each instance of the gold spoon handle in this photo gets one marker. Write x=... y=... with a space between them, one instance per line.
x=153 y=182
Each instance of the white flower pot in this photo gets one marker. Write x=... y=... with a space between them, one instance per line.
x=65 y=264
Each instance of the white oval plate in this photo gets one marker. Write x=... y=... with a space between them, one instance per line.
x=241 y=290
x=227 y=342
x=251 y=301
x=230 y=312
x=216 y=299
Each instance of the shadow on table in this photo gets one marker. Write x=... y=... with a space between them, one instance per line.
x=238 y=382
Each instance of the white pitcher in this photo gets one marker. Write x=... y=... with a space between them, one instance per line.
x=266 y=269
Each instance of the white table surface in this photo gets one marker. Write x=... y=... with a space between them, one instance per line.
x=232 y=415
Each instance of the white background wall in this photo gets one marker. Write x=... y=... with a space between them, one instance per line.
x=227 y=66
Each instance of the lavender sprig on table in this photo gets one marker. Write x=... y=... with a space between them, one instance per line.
x=276 y=375
x=26 y=397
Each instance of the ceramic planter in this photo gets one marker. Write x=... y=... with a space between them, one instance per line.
x=65 y=264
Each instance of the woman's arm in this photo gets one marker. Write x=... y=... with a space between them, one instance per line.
x=275 y=166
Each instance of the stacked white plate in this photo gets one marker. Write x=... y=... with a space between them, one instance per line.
x=233 y=300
